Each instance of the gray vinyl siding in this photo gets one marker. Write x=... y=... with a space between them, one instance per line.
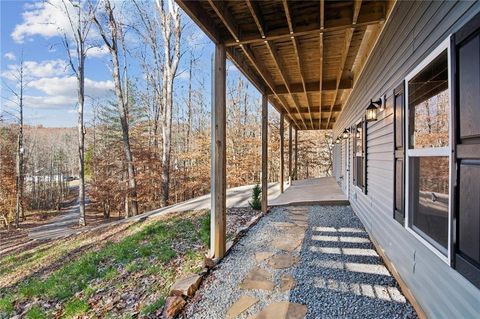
x=414 y=29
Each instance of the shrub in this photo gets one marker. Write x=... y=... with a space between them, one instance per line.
x=256 y=202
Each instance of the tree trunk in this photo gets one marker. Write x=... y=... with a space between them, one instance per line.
x=81 y=142
x=123 y=113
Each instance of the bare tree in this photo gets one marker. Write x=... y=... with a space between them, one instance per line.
x=172 y=31
x=19 y=75
x=112 y=41
x=80 y=22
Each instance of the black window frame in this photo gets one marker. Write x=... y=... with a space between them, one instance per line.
x=360 y=166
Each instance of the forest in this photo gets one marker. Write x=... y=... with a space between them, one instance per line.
x=146 y=145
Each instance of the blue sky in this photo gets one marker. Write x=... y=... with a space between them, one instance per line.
x=50 y=96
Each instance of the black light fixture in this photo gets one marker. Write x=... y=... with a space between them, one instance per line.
x=337 y=141
x=372 y=110
x=346 y=134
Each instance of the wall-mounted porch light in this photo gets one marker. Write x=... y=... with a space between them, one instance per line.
x=372 y=110
x=346 y=134
x=337 y=141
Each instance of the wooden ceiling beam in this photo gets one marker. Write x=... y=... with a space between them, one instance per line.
x=195 y=11
x=297 y=55
x=273 y=52
x=357 y=4
x=257 y=16
x=315 y=109
x=285 y=34
x=311 y=87
x=229 y=22
x=348 y=40
x=267 y=79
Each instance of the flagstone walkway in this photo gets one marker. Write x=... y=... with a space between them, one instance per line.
x=302 y=262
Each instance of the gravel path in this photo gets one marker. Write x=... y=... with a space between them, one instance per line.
x=338 y=275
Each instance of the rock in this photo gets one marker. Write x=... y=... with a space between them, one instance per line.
x=173 y=306
x=281 y=261
x=186 y=286
x=240 y=306
x=258 y=279
x=287 y=283
x=288 y=243
x=262 y=255
x=282 y=310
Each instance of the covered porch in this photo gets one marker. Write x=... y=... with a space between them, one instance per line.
x=304 y=57
x=315 y=191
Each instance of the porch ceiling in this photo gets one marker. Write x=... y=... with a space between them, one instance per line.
x=306 y=55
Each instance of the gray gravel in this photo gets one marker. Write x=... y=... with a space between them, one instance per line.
x=337 y=284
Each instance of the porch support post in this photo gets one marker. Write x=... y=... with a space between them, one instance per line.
x=282 y=152
x=264 y=153
x=218 y=156
x=290 y=146
x=296 y=155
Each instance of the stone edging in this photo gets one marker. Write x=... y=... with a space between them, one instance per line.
x=185 y=288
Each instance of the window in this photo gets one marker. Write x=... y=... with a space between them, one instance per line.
x=428 y=153
x=359 y=156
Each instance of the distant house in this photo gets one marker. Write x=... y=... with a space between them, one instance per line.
x=398 y=82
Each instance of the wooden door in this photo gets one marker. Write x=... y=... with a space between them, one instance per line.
x=466 y=93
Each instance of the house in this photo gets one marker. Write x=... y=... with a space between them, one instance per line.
x=398 y=82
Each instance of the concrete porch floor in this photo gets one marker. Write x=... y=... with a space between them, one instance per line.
x=315 y=191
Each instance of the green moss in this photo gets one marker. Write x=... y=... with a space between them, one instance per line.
x=74 y=308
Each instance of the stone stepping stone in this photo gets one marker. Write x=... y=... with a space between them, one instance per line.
x=258 y=279
x=283 y=225
x=289 y=243
x=282 y=310
x=262 y=255
x=282 y=261
x=298 y=218
x=240 y=306
x=287 y=282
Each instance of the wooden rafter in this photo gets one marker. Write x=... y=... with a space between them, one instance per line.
x=328 y=85
x=297 y=55
x=346 y=48
x=229 y=22
x=315 y=109
x=316 y=31
x=255 y=11
x=281 y=69
x=357 y=4
x=267 y=78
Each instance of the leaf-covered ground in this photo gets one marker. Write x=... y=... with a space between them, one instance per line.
x=121 y=271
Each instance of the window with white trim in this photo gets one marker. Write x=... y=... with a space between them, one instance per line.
x=429 y=150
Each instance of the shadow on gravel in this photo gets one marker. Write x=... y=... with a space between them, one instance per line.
x=340 y=275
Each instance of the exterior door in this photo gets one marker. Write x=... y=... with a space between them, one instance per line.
x=466 y=67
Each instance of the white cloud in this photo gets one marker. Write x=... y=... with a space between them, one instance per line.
x=47 y=19
x=34 y=69
x=67 y=87
x=98 y=52
x=10 y=56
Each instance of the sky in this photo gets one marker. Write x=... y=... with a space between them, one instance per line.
x=32 y=27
